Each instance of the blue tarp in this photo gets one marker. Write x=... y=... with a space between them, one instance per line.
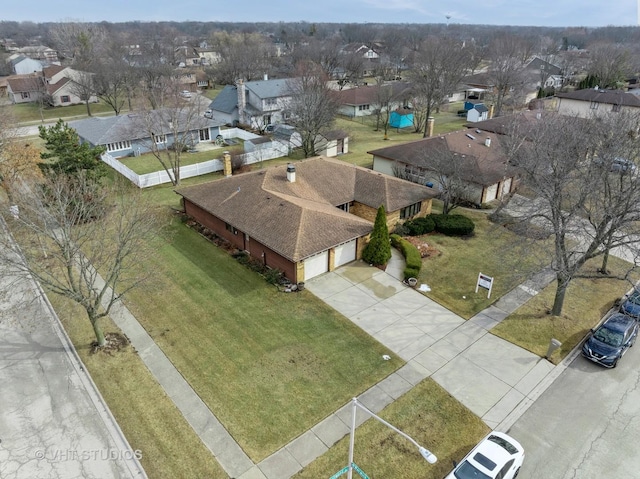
x=400 y=120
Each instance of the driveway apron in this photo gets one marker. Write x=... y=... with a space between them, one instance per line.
x=490 y=376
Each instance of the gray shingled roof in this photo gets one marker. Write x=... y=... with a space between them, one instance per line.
x=614 y=97
x=226 y=101
x=104 y=130
x=300 y=219
x=270 y=88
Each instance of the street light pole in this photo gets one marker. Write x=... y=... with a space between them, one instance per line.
x=424 y=452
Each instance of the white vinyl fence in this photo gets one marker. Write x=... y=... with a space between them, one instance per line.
x=276 y=150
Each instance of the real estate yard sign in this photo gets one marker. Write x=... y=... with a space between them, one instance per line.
x=485 y=282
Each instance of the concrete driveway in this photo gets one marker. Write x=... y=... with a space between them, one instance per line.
x=490 y=376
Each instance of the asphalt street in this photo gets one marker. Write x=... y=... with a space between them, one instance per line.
x=586 y=425
x=53 y=422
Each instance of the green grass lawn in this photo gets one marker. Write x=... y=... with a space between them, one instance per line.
x=269 y=364
x=429 y=415
x=148 y=163
x=586 y=302
x=452 y=270
x=363 y=136
x=150 y=421
x=30 y=112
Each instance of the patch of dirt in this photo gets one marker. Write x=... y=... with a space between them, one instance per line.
x=426 y=251
x=114 y=342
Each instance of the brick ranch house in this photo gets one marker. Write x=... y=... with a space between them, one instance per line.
x=303 y=219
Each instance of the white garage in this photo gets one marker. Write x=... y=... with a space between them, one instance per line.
x=316 y=264
x=491 y=193
x=345 y=253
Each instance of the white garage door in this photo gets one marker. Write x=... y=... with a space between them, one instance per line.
x=491 y=193
x=506 y=186
x=315 y=265
x=345 y=253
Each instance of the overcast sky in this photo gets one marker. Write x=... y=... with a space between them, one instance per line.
x=495 y=12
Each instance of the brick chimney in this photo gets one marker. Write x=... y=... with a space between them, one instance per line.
x=226 y=160
x=291 y=173
x=430 y=121
x=242 y=100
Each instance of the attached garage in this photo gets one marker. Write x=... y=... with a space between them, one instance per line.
x=491 y=193
x=345 y=253
x=316 y=265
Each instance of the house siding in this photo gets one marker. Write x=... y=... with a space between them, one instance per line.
x=252 y=246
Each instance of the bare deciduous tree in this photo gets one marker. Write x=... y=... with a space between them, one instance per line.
x=243 y=56
x=610 y=64
x=586 y=202
x=71 y=231
x=169 y=132
x=312 y=109
x=439 y=67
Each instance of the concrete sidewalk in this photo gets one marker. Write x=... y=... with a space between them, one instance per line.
x=492 y=377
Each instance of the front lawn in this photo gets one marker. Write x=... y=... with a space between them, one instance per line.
x=269 y=365
x=428 y=414
x=586 y=302
x=452 y=270
x=30 y=112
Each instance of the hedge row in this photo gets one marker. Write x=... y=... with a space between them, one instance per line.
x=411 y=255
x=450 y=225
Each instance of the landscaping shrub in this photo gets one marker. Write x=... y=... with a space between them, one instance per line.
x=411 y=256
x=378 y=250
x=420 y=226
x=453 y=225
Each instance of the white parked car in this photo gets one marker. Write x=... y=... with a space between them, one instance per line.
x=497 y=456
x=185 y=94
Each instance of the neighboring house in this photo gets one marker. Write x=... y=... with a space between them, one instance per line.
x=363 y=100
x=483 y=165
x=22 y=65
x=208 y=56
x=504 y=125
x=361 y=49
x=594 y=101
x=254 y=103
x=187 y=56
x=25 y=88
x=305 y=218
x=39 y=52
x=125 y=135
x=62 y=87
x=554 y=81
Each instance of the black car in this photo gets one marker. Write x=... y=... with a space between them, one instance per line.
x=631 y=304
x=608 y=343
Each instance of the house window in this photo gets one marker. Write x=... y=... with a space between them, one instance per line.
x=363 y=107
x=158 y=139
x=344 y=207
x=231 y=228
x=65 y=99
x=119 y=145
x=616 y=107
x=25 y=94
x=266 y=120
x=204 y=134
x=410 y=211
x=271 y=101
x=594 y=105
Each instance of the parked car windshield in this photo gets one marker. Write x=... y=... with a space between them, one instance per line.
x=469 y=471
x=634 y=298
x=607 y=336
x=506 y=445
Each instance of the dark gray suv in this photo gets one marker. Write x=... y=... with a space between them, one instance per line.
x=608 y=342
